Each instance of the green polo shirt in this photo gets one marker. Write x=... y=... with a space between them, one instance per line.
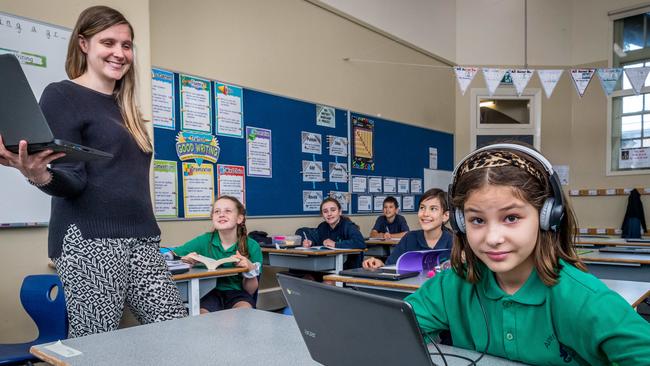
x=202 y=245
x=579 y=321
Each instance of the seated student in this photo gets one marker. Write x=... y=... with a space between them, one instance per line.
x=337 y=231
x=390 y=225
x=432 y=215
x=229 y=238
x=518 y=289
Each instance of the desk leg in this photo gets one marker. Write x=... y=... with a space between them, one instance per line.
x=194 y=297
x=339 y=267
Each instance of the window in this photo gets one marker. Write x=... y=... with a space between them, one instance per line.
x=629 y=131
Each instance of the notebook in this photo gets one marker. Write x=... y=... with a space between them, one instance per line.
x=352 y=315
x=390 y=274
x=21 y=118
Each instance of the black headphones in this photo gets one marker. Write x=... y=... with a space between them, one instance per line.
x=552 y=211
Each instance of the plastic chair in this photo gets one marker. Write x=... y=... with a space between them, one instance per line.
x=48 y=314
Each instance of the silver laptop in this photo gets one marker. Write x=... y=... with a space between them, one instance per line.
x=21 y=118
x=341 y=326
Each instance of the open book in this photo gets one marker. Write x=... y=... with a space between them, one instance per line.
x=212 y=263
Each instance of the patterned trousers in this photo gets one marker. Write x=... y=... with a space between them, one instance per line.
x=100 y=276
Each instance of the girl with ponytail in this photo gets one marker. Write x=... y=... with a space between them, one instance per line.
x=229 y=238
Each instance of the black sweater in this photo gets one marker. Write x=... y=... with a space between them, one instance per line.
x=107 y=198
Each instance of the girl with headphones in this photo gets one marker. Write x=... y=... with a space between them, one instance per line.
x=518 y=289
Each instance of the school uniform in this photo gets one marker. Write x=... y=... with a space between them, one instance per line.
x=398 y=225
x=346 y=234
x=414 y=240
x=229 y=289
x=579 y=321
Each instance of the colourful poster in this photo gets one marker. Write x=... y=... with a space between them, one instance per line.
x=165 y=184
x=229 y=110
x=198 y=146
x=163 y=97
x=258 y=152
x=232 y=182
x=195 y=104
x=198 y=189
x=363 y=154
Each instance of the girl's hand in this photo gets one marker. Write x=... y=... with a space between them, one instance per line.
x=33 y=167
x=306 y=243
x=372 y=263
x=329 y=243
x=188 y=260
x=244 y=262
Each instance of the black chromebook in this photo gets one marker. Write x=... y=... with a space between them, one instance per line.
x=21 y=118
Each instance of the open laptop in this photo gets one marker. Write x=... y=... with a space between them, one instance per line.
x=330 y=318
x=21 y=118
x=389 y=274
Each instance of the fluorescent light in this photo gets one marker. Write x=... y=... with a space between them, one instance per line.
x=487 y=103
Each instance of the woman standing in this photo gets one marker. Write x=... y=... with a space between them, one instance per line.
x=103 y=236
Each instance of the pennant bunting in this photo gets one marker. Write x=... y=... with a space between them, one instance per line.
x=520 y=78
x=549 y=79
x=581 y=79
x=464 y=75
x=609 y=78
x=493 y=78
x=637 y=76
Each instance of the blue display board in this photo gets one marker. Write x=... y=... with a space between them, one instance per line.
x=398 y=151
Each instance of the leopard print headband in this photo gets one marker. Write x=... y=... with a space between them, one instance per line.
x=490 y=159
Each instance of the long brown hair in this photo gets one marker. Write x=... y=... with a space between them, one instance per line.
x=242 y=232
x=92 y=21
x=550 y=246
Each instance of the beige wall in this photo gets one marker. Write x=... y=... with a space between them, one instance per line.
x=288 y=47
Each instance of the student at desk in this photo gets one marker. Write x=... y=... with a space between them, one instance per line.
x=390 y=225
x=432 y=215
x=518 y=289
x=229 y=238
x=337 y=231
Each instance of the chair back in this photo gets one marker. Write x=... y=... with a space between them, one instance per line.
x=48 y=314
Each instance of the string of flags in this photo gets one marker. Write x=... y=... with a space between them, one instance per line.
x=581 y=78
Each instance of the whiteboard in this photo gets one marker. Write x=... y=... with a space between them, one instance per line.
x=437 y=179
x=41 y=49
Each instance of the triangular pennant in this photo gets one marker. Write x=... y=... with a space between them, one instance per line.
x=464 y=75
x=637 y=76
x=609 y=78
x=581 y=79
x=549 y=79
x=520 y=78
x=493 y=78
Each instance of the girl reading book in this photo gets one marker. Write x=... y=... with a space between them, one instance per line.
x=228 y=239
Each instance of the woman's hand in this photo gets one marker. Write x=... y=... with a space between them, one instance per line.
x=33 y=167
x=244 y=262
x=329 y=243
x=372 y=263
x=307 y=243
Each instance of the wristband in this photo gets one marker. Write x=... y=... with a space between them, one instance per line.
x=40 y=185
x=254 y=272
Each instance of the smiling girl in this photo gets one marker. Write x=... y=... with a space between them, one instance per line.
x=228 y=239
x=432 y=216
x=518 y=289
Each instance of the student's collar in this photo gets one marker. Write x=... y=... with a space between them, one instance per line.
x=533 y=292
x=216 y=242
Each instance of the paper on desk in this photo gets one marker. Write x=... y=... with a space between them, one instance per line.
x=63 y=350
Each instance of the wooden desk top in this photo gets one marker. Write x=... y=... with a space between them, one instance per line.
x=203 y=272
x=312 y=252
x=608 y=241
x=375 y=241
x=632 y=258
x=633 y=292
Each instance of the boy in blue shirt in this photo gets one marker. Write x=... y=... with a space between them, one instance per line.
x=390 y=225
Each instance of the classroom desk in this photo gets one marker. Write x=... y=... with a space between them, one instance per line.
x=632 y=291
x=197 y=282
x=380 y=247
x=618 y=266
x=229 y=337
x=318 y=260
x=608 y=241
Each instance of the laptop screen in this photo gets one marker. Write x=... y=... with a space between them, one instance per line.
x=345 y=327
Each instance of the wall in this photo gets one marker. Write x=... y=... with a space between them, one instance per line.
x=288 y=47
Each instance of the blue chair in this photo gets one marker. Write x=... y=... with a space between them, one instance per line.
x=48 y=314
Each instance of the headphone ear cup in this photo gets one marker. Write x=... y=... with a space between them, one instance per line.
x=545 y=214
x=459 y=217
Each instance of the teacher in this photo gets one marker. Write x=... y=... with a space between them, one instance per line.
x=103 y=236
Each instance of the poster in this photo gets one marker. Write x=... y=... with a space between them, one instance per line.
x=311 y=143
x=338 y=172
x=195 y=104
x=403 y=185
x=311 y=200
x=416 y=185
x=312 y=171
x=359 y=184
x=325 y=116
x=258 y=152
x=390 y=185
x=162 y=99
x=231 y=181
x=378 y=203
x=198 y=189
x=364 y=203
x=433 y=158
x=634 y=158
x=229 y=110
x=338 y=146
x=363 y=153
x=408 y=203
x=165 y=184
x=342 y=197
x=374 y=185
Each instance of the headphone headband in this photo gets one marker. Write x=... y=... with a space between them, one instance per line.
x=526 y=150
